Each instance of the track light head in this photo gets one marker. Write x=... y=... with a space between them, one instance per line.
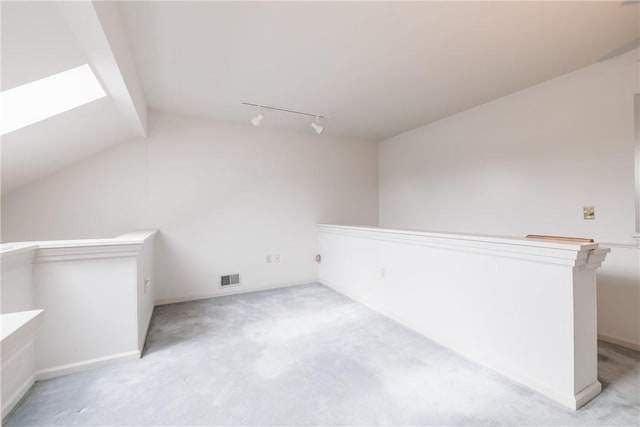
x=257 y=119
x=317 y=126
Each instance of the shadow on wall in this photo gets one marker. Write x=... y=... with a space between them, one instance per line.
x=619 y=297
x=173 y=262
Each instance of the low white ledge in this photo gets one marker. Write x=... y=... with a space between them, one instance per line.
x=546 y=251
x=7 y=249
x=96 y=311
x=525 y=308
x=10 y=251
x=127 y=245
x=18 y=355
x=18 y=326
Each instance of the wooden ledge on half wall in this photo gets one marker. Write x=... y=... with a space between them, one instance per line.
x=561 y=238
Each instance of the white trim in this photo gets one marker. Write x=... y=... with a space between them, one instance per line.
x=79 y=253
x=10 y=403
x=586 y=394
x=17 y=253
x=632 y=245
x=594 y=259
x=571 y=254
x=83 y=365
x=17 y=328
x=619 y=341
x=570 y=401
x=484 y=238
x=126 y=245
x=237 y=290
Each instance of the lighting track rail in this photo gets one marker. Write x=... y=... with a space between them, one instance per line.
x=257 y=119
x=267 y=107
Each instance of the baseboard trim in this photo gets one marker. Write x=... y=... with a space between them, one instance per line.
x=588 y=393
x=619 y=341
x=570 y=401
x=10 y=403
x=71 y=368
x=234 y=291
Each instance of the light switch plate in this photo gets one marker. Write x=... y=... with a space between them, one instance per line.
x=589 y=212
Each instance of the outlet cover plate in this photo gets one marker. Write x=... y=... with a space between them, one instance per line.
x=589 y=212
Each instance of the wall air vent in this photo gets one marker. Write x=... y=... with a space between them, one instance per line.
x=229 y=280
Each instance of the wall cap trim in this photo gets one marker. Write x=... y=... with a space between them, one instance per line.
x=17 y=251
x=570 y=254
x=126 y=245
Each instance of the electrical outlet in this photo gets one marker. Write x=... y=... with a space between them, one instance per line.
x=383 y=274
x=276 y=258
x=268 y=259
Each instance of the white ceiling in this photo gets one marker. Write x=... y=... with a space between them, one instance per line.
x=37 y=41
x=376 y=69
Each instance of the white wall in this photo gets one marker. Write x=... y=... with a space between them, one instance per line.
x=528 y=163
x=79 y=299
x=146 y=289
x=16 y=287
x=222 y=195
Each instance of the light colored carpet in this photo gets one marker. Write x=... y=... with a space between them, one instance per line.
x=307 y=355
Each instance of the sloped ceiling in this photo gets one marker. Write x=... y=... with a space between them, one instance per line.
x=375 y=68
x=38 y=40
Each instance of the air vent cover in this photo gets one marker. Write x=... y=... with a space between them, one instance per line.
x=229 y=280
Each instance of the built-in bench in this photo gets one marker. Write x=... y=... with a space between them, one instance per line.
x=18 y=355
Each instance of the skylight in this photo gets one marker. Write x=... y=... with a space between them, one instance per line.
x=44 y=98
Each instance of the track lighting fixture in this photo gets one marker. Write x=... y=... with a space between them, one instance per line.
x=257 y=119
x=317 y=126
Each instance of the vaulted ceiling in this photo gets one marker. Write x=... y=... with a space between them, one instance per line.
x=40 y=39
x=375 y=69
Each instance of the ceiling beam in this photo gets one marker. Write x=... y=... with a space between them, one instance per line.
x=100 y=31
